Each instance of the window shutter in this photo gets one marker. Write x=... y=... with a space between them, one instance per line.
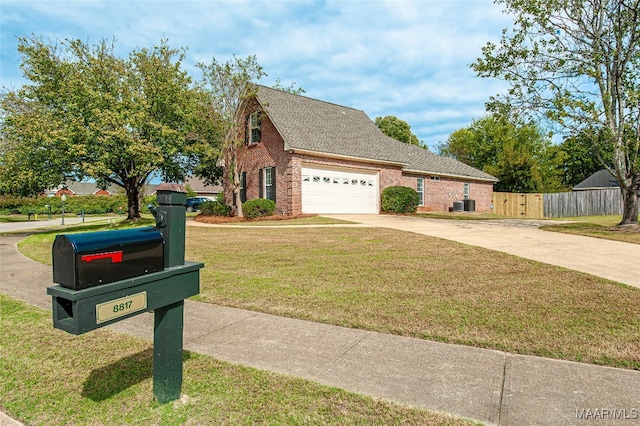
x=261 y=183
x=273 y=185
x=247 y=120
x=259 y=127
x=243 y=187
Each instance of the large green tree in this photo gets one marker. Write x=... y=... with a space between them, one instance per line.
x=578 y=63
x=520 y=155
x=88 y=113
x=398 y=129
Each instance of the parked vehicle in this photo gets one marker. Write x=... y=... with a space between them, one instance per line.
x=193 y=203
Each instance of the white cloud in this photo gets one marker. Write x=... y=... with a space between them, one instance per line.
x=408 y=58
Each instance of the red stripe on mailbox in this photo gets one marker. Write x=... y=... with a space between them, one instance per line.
x=115 y=256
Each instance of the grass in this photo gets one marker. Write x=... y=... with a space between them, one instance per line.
x=598 y=227
x=102 y=378
x=413 y=285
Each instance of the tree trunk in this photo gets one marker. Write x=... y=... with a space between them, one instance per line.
x=236 y=194
x=629 y=206
x=133 y=196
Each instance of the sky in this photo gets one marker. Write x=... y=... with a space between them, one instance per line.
x=405 y=58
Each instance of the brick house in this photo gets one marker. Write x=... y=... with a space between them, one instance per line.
x=311 y=156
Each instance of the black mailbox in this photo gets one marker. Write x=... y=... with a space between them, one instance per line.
x=94 y=258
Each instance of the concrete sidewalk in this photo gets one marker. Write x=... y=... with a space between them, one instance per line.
x=44 y=223
x=489 y=386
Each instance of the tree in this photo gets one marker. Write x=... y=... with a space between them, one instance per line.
x=230 y=84
x=521 y=156
x=581 y=159
x=577 y=62
x=289 y=89
x=397 y=129
x=90 y=113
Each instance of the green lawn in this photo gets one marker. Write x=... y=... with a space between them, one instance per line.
x=49 y=377
x=598 y=227
x=413 y=285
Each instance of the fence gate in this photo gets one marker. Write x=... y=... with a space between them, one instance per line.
x=527 y=206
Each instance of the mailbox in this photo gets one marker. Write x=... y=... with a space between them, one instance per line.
x=94 y=258
x=105 y=277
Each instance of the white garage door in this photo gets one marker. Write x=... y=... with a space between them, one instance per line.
x=333 y=190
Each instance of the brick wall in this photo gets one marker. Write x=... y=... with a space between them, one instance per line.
x=439 y=195
x=269 y=152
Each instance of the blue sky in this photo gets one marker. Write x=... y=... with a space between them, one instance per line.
x=408 y=58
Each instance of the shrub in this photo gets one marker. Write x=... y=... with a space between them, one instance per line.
x=90 y=204
x=258 y=207
x=399 y=199
x=214 y=208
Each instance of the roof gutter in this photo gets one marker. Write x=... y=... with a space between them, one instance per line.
x=422 y=172
x=342 y=157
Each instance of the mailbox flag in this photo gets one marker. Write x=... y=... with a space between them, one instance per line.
x=115 y=256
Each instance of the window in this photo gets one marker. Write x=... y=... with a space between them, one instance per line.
x=254 y=128
x=420 y=190
x=267 y=183
x=467 y=186
x=270 y=183
x=436 y=178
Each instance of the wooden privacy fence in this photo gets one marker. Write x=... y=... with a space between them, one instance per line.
x=529 y=206
x=583 y=203
x=561 y=204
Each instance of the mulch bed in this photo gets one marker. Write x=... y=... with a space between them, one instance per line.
x=226 y=219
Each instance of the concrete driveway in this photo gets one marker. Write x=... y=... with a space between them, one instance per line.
x=614 y=260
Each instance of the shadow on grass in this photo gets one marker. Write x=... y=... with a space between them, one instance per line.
x=105 y=382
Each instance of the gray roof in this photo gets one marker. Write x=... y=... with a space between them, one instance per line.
x=601 y=179
x=198 y=186
x=328 y=129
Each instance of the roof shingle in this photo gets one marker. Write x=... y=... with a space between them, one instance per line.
x=329 y=129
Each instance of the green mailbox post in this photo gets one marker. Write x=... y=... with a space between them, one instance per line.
x=92 y=294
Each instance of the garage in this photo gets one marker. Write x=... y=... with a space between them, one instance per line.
x=338 y=190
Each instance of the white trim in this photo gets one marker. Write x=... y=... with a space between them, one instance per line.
x=345 y=157
x=458 y=177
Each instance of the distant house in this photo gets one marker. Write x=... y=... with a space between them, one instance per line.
x=602 y=179
x=199 y=187
x=311 y=156
x=73 y=188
